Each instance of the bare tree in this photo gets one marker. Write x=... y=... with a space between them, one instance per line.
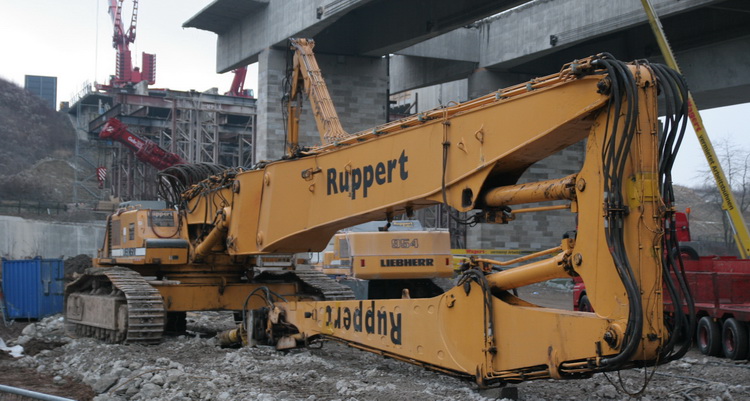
x=735 y=161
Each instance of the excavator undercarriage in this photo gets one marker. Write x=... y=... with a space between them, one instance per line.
x=115 y=305
x=118 y=305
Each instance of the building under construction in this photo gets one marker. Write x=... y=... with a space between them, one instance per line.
x=199 y=127
x=188 y=127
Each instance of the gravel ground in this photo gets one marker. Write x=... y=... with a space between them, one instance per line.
x=194 y=367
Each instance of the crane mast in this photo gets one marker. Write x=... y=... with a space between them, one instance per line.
x=125 y=73
x=729 y=204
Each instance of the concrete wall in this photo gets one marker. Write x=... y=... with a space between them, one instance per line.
x=533 y=231
x=21 y=238
x=358 y=88
x=441 y=95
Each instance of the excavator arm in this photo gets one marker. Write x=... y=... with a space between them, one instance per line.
x=306 y=76
x=456 y=155
x=470 y=157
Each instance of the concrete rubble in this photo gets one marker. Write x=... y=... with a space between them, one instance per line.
x=194 y=367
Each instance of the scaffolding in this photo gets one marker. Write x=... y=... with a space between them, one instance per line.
x=201 y=127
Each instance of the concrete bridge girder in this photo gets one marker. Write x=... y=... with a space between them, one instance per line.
x=411 y=72
x=520 y=41
x=349 y=27
x=461 y=44
x=541 y=27
x=718 y=75
x=538 y=28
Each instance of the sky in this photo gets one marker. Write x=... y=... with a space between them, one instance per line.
x=730 y=123
x=72 y=40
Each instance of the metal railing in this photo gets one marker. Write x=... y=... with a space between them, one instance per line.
x=23 y=394
x=35 y=207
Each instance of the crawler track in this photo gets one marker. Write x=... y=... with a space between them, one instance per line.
x=145 y=316
x=315 y=284
x=139 y=315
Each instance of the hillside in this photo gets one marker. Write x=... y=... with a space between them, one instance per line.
x=37 y=146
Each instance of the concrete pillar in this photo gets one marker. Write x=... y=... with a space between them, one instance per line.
x=358 y=87
x=269 y=140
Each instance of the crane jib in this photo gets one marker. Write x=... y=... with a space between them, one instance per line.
x=366 y=176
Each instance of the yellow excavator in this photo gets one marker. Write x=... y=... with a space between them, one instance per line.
x=228 y=237
x=390 y=259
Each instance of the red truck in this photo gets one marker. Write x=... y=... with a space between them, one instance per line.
x=721 y=288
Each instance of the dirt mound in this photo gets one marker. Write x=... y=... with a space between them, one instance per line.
x=27 y=378
x=35 y=346
x=48 y=180
x=76 y=264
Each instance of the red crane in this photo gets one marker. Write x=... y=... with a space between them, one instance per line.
x=125 y=73
x=145 y=150
x=238 y=84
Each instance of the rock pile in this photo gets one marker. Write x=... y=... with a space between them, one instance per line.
x=195 y=368
x=48 y=330
x=76 y=264
x=192 y=367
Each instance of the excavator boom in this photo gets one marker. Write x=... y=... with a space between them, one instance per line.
x=306 y=76
x=453 y=155
x=206 y=250
x=470 y=157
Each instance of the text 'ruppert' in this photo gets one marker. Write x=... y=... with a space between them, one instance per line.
x=365 y=177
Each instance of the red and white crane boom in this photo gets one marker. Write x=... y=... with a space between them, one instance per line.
x=145 y=150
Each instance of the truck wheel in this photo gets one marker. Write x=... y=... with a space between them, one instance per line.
x=689 y=253
x=584 y=305
x=708 y=336
x=734 y=339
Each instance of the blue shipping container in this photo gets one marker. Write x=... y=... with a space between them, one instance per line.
x=33 y=288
